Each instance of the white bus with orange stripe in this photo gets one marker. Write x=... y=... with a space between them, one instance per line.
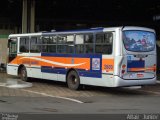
x=111 y=57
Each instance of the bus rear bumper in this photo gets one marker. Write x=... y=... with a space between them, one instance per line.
x=119 y=82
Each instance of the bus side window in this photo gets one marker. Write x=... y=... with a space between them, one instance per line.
x=103 y=43
x=24 y=44
x=45 y=43
x=108 y=38
x=52 y=44
x=70 y=44
x=61 y=44
x=35 y=45
x=79 y=44
x=89 y=43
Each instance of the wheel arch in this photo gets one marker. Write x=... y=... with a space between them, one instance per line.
x=69 y=70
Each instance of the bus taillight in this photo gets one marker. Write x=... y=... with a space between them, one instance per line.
x=123 y=66
x=154 y=67
x=123 y=69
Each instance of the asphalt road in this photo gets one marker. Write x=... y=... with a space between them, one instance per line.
x=93 y=105
x=48 y=100
x=104 y=106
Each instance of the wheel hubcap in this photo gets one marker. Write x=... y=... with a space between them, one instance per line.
x=73 y=79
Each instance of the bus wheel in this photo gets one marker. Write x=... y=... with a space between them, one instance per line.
x=73 y=80
x=23 y=74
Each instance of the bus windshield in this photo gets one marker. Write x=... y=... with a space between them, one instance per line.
x=139 y=41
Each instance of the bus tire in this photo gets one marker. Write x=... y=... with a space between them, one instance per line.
x=73 y=80
x=23 y=74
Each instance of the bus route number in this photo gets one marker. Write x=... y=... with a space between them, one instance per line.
x=108 y=67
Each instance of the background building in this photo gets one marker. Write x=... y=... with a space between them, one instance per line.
x=23 y=16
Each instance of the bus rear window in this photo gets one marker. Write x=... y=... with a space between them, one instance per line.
x=139 y=41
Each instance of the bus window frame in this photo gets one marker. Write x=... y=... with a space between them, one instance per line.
x=40 y=44
x=112 y=45
x=19 y=39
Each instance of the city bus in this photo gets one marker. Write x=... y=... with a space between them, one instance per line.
x=108 y=57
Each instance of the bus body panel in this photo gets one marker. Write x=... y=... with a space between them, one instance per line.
x=119 y=82
x=12 y=69
x=105 y=81
x=138 y=63
x=116 y=81
x=139 y=68
x=93 y=69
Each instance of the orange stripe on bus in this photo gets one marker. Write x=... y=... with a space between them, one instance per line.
x=142 y=69
x=107 y=64
x=80 y=63
x=65 y=60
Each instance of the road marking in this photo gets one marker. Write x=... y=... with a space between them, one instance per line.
x=65 y=98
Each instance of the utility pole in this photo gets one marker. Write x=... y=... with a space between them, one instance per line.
x=28 y=16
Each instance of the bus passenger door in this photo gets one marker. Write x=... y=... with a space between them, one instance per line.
x=12 y=56
x=12 y=44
